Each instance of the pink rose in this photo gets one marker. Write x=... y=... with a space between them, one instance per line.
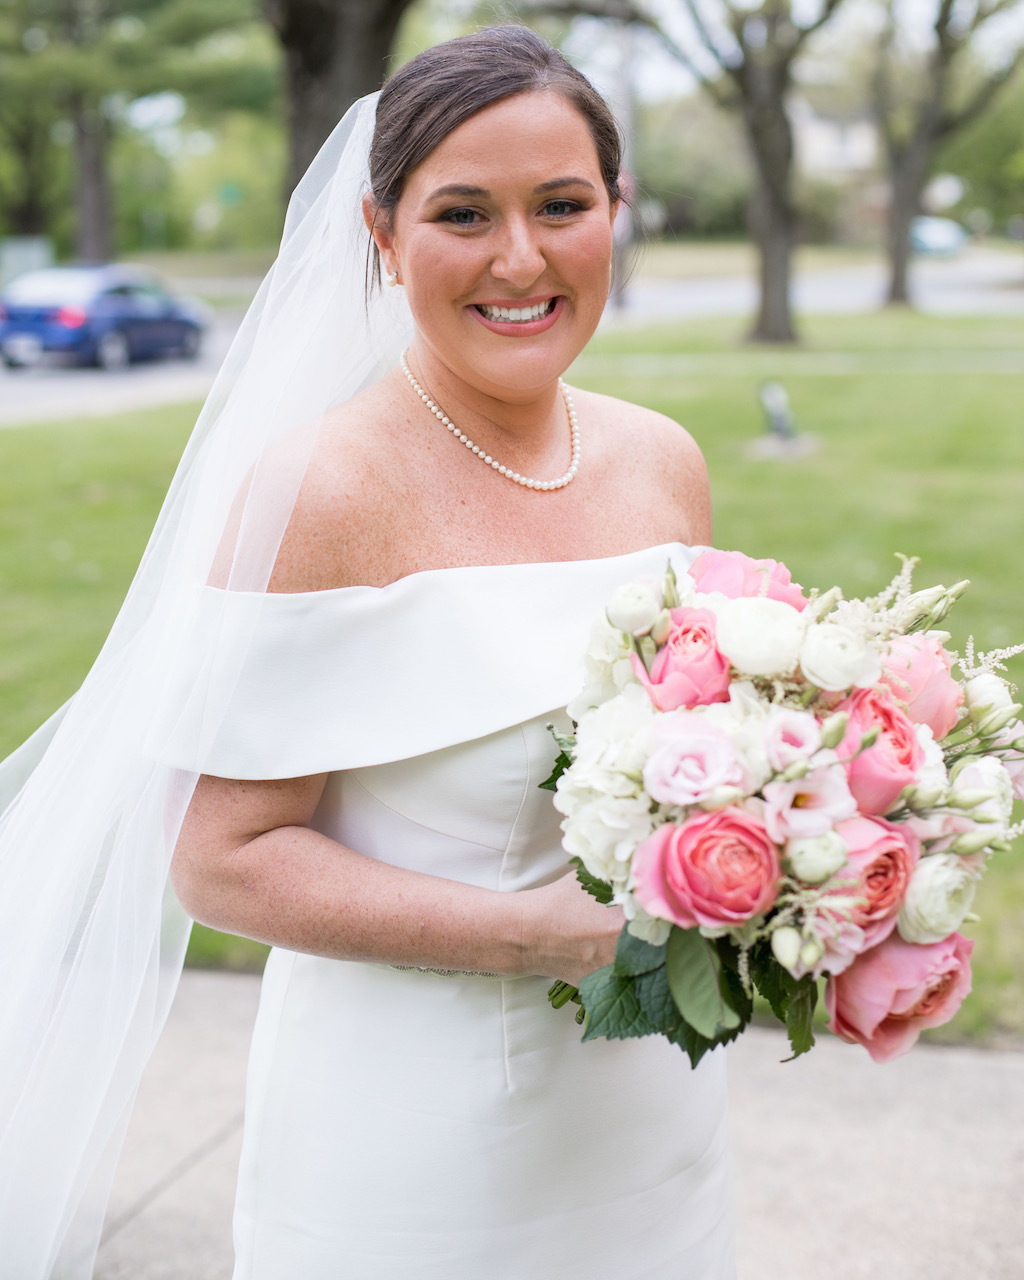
x=688 y=671
x=715 y=869
x=878 y=775
x=808 y=806
x=734 y=575
x=880 y=858
x=691 y=758
x=892 y=992
x=916 y=669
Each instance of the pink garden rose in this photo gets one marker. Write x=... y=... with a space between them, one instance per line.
x=916 y=669
x=891 y=993
x=715 y=869
x=880 y=859
x=689 y=671
x=691 y=759
x=878 y=775
x=807 y=806
x=734 y=575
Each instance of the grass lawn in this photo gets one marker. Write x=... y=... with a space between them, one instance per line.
x=921 y=450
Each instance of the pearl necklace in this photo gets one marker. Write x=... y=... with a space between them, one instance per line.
x=507 y=472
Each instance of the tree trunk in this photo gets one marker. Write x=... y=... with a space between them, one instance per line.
x=908 y=166
x=773 y=216
x=94 y=231
x=335 y=51
x=28 y=143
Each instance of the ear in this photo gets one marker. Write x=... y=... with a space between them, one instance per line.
x=380 y=229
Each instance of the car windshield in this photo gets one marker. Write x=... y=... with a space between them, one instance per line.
x=52 y=288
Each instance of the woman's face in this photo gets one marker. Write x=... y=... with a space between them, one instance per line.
x=502 y=239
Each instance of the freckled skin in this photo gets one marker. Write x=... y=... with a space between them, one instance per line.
x=389 y=492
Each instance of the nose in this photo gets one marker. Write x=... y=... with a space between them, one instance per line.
x=518 y=258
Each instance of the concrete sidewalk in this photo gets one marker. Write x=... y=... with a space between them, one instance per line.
x=913 y=1171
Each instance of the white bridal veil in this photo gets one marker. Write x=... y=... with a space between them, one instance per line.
x=91 y=936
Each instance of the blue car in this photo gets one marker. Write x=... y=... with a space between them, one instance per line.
x=105 y=315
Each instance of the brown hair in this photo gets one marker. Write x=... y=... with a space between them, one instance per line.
x=429 y=97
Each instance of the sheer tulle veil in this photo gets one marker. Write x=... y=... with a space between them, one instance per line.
x=91 y=936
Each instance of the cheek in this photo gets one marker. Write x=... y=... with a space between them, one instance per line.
x=584 y=255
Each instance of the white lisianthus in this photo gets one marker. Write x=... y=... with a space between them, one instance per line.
x=938 y=897
x=987 y=773
x=760 y=637
x=834 y=658
x=985 y=693
x=633 y=608
x=813 y=859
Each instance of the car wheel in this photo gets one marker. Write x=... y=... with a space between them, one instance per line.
x=191 y=340
x=113 y=352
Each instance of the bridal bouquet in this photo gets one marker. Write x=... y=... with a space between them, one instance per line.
x=779 y=788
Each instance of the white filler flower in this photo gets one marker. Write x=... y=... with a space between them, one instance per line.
x=760 y=637
x=834 y=658
x=938 y=898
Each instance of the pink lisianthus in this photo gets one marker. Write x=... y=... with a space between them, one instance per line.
x=891 y=993
x=790 y=736
x=691 y=759
x=880 y=859
x=808 y=806
x=688 y=671
x=878 y=775
x=916 y=669
x=715 y=869
x=734 y=575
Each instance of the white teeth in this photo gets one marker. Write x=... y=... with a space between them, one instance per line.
x=516 y=315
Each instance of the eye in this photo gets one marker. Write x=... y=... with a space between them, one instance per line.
x=460 y=217
x=561 y=208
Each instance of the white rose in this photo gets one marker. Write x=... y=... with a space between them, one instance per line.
x=938 y=898
x=760 y=637
x=633 y=608
x=987 y=692
x=835 y=658
x=814 y=858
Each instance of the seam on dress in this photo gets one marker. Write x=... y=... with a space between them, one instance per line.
x=501 y=875
x=424 y=826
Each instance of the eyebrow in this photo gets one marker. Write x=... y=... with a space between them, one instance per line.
x=460 y=189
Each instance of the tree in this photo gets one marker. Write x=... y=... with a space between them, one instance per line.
x=335 y=52
x=744 y=57
x=28 y=164
x=922 y=102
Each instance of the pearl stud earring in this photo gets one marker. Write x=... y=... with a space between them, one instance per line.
x=392 y=278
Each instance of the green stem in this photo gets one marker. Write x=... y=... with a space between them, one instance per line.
x=561 y=993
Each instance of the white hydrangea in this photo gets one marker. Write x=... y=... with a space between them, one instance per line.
x=604 y=832
x=606 y=666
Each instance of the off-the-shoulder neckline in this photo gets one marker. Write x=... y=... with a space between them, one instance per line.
x=409 y=578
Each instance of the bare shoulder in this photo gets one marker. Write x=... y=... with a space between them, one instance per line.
x=625 y=425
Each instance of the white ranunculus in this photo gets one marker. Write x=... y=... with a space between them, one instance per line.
x=834 y=658
x=760 y=637
x=938 y=897
x=987 y=692
x=813 y=859
x=632 y=608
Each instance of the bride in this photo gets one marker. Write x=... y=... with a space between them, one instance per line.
x=334 y=715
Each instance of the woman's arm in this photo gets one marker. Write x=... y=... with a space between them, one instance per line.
x=248 y=863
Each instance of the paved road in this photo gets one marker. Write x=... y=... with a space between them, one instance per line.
x=844 y=1169
x=980 y=281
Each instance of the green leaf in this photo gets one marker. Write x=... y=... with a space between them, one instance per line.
x=694 y=970
x=800 y=1016
x=732 y=987
x=562 y=762
x=613 y=1010
x=633 y=956
x=694 y=1044
x=773 y=982
x=596 y=888
x=655 y=996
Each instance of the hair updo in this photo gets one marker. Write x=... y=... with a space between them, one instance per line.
x=429 y=97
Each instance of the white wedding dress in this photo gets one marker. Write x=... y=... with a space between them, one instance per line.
x=410 y=1125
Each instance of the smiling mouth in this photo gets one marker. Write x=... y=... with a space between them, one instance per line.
x=516 y=315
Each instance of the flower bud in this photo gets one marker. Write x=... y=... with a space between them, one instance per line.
x=987 y=692
x=633 y=608
x=870 y=738
x=968 y=798
x=811 y=952
x=786 y=945
x=924 y=797
x=971 y=842
x=921 y=604
x=813 y=859
x=833 y=730
x=719 y=797
x=661 y=627
x=798 y=769
x=998 y=719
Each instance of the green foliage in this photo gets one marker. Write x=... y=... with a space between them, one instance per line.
x=613 y=1010
x=562 y=762
x=694 y=971
x=792 y=1001
x=634 y=957
x=596 y=888
x=989 y=157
